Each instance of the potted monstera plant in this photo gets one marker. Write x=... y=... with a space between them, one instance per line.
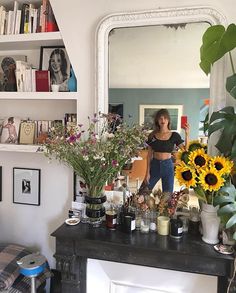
x=217 y=42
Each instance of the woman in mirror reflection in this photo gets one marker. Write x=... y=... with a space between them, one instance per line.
x=161 y=143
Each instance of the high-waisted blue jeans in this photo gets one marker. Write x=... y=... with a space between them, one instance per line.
x=164 y=170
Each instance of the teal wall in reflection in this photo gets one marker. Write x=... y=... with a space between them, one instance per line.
x=191 y=99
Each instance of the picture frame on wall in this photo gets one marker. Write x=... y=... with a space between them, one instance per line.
x=55 y=59
x=26 y=186
x=80 y=188
x=147 y=112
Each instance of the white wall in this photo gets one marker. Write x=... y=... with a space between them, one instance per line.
x=157 y=57
x=77 y=20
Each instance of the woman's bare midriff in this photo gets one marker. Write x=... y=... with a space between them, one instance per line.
x=161 y=156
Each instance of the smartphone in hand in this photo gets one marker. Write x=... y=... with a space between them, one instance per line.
x=184 y=121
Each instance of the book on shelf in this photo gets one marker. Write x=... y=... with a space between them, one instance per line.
x=24 y=17
x=42 y=80
x=23 y=76
x=50 y=23
x=2 y=19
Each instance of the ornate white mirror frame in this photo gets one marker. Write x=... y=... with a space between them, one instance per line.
x=155 y=17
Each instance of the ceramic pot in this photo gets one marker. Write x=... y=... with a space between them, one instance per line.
x=210 y=223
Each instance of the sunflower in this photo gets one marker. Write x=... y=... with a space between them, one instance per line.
x=185 y=175
x=210 y=179
x=221 y=164
x=182 y=155
x=194 y=145
x=198 y=158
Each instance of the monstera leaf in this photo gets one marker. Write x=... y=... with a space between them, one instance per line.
x=216 y=42
x=226 y=200
x=225 y=120
x=231 y=85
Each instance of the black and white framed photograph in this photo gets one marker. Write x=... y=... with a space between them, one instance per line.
x=0 y=183
x=55 y=59
x=26 y=186
x=147 y=112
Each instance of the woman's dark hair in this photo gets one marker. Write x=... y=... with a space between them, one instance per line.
x=60 y=52
x=157 y=116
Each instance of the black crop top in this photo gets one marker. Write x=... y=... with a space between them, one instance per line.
x=165 y=146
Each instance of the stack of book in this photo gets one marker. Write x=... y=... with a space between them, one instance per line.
x=29 y=79
x=27 y=18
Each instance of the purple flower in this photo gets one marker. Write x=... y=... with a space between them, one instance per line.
x=114 y=163
x=72 y=138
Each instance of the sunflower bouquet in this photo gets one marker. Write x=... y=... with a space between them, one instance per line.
x=204 y=173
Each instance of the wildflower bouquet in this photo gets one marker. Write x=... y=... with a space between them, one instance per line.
x=98 y=153
x=204 y=173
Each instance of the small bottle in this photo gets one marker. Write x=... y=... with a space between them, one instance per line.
x=111 y=217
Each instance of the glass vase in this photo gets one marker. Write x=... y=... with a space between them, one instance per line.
x=95 y=210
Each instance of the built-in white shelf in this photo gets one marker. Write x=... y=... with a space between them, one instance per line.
x=30 y=41
x=38 y=95
x=21 y=148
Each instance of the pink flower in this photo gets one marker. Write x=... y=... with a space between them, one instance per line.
x=114 y=163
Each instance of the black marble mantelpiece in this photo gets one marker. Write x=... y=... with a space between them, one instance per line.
x=75 y=244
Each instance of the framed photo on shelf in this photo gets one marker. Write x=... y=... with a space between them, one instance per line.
x=7 y=71
x=10 y=130
x=147 y=112
x=56 y=61
x=26 y=186
x=27 y=132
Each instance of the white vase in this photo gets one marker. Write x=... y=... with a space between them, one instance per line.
x=210 y=223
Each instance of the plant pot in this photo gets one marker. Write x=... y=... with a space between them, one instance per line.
x=95 y=210
x=210 y=223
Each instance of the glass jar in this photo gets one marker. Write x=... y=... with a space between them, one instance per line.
x=153 y=221
x=111 y=217
x=138 y=219
x=145 y=222
x=176 y=228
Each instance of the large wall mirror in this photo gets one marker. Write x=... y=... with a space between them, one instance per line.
x=150 y=60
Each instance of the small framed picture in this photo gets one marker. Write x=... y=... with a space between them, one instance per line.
x=26 y=186
x=10 y=130
x=7 y=71
x=56 y=61
x=27 y=132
